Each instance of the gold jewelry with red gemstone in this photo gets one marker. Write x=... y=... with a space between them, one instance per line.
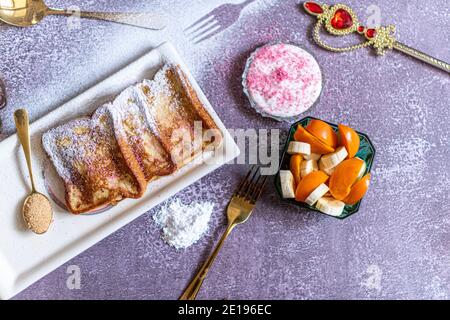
x=340 y=20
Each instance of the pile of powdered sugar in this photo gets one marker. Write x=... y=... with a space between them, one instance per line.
x=183 y=224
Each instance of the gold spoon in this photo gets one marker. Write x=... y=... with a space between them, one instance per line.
x=25 y=13
x=37 y=211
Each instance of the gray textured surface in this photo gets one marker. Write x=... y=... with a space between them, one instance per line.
x=397 y=246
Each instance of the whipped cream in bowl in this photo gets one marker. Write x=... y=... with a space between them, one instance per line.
x=282 y=81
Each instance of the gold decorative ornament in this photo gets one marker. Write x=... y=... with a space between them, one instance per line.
x=340 y=20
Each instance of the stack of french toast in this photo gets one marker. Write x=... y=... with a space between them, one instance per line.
x=150 y=130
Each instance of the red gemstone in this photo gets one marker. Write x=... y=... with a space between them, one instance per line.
x=360 y=29
x=342 y=19
x=313 y=7
x=370 y=33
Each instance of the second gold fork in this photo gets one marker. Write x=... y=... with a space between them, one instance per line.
x=239 y=210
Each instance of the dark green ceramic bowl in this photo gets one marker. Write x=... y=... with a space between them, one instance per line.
x=366 y=152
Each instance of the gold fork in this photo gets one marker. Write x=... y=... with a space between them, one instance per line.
x=239 y=210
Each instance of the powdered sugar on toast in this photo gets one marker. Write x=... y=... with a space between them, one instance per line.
x=174 y=112
x=56 y=143
x=86 y=156
x=135 y=134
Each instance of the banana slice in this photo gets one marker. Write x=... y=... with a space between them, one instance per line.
x=363 y=169
x=317 y=194
x=312 y=156
x=287 y=184
x=327 y=171
x=330 y=206
x=296 y=147
x=331 y=160
x=307 y=167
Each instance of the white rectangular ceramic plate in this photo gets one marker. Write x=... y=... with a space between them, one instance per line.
x=26 y=257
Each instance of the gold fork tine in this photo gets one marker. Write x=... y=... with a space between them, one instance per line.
x=253 y=183
x=255 y=188
x=241 y=190
x=241 y=184
x=258 y=190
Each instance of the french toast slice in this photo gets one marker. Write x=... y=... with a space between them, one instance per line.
x=87 y=158
x=122 y=159
x=135 y=137
x=177 y=116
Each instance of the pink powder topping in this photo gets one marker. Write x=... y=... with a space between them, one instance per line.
x=280 y=74
x=283 y=80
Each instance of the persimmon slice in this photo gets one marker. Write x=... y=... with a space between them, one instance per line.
x=317 y=146
x=358 y=190
x=349 y=139
x=323 y=131
x=295 y=166
x=345 y=176
x=308 y=184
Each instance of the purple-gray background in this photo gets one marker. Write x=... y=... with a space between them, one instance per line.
x=397 y=246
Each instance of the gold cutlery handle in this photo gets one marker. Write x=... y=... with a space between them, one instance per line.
x=138 y=19
x=422 y=56
x=194 y=286
x=23 y=132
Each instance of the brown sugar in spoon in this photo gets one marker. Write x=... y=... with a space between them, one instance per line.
x=37 y=211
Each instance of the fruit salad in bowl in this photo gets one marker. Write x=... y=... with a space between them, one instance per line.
x=325 y=167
